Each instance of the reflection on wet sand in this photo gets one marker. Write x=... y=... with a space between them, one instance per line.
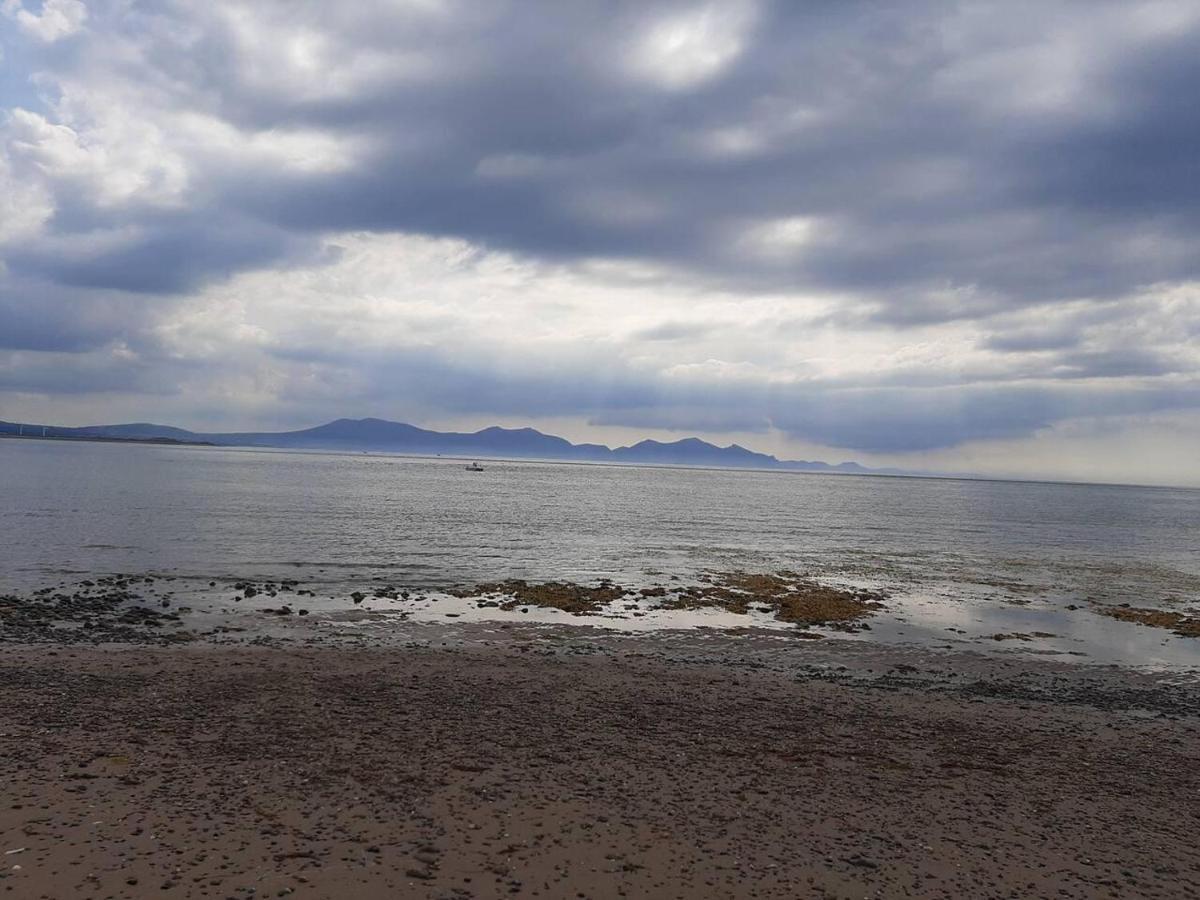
x=161 y=609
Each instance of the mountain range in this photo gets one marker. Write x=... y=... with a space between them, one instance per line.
x=380 y=435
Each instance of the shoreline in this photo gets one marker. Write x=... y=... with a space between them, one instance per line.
x=521 y=760
x=833 y=468
x=157 y=609
x=100 y=439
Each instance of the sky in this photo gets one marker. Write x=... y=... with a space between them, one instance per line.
x=946 y=236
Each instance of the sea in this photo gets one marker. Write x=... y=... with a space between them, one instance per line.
x=960 y=560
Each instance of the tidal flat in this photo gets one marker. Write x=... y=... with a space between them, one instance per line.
x=157 y=747
x=157 y=608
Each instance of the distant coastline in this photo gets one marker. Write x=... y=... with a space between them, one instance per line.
x=380 y=435
x=105 y=440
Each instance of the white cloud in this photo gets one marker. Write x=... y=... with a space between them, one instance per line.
x=684 y=49
x=293 y=58
x=25 y=205
x=57 y=19
x=779 y=240
x=217 y=143
x=114 y=161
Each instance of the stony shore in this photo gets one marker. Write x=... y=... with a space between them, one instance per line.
x=484 y=761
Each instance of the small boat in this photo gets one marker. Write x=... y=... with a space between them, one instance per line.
x=474 y=467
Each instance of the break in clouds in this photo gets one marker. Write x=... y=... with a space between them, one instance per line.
x=870 y=229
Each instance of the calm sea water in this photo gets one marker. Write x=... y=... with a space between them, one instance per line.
x=83 y=508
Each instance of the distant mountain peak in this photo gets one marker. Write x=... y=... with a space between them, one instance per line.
x=382 y=435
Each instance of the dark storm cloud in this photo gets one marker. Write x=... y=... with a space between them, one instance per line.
x=919 y=186
x=41 y=317
x=166 y=254
x=1033 y=210
x=436 y=382
x=894 y=420
x=74 y=375
x=1117 y=363
x=1141 y=161
x=880 y=418
x=906 y=421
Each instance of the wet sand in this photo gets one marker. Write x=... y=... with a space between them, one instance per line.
x=525 y=761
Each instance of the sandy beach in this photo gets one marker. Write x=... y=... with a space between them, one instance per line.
x=486 y=762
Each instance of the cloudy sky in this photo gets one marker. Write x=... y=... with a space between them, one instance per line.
x=947 y=235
